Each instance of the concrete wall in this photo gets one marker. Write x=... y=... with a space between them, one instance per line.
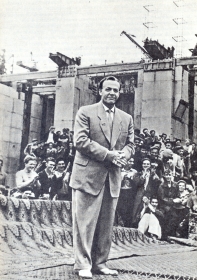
x=157 y=101
x=36 y=117
x=11 y=124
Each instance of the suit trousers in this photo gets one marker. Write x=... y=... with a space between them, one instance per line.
x=93 y=218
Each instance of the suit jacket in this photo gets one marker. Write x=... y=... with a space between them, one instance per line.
x=92 y=141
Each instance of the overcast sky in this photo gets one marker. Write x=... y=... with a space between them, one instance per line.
x=91 y=29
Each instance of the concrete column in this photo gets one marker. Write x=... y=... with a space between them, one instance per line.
x=64 y=103
x=157 y=101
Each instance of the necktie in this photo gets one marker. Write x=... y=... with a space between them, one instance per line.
x=110 y=120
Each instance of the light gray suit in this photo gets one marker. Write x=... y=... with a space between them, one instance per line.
x=96 y=182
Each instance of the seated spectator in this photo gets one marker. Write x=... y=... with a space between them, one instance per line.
x=3 y=175
x=46 y=178
x=150 y=218
x=50 y=136
x=60 y=189
x=30 y=148
x=147 y=185
x=51 y=151
x=27 y=179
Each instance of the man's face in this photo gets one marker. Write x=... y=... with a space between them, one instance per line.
x=181 y=186
x=137 y=142
x=110 y=93
x=143 y=152
x=30 y=165
x=145 y=132
x=60 y=166
x=50 y=165
x=180 y=152
x=154 y=153
x=168 y=177
x=154 y=203
x=146 y=164
x=152 y=133
x=1 y=163
x=168 y=146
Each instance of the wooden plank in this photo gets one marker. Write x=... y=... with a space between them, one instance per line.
x=109 y=68
x=28 y=76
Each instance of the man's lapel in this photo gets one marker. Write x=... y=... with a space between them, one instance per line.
x=117 y=125
x=104 y=124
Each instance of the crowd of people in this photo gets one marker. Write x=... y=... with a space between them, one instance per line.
x=47 y=167
x=159 y=186
x=159 y=183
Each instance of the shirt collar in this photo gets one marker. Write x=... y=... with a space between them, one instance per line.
x=106 y=108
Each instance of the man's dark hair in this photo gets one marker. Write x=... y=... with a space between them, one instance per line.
x=50 y=159
x=60 y=159
x=109 y=78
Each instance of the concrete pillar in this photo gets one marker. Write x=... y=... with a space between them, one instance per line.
x=64 y=103
x=157 y=101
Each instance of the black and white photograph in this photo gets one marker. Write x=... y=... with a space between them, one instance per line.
x=98 y=144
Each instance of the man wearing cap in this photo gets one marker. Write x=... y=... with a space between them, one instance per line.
x=103 y=138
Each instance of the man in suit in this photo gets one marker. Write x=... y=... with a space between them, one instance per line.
x=103 y=138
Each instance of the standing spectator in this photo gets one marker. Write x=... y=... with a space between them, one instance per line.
x=153 y=137
x=40 y=151
x=50 y=136
x=166 y=193
x=64 y=138
x=154 y=157
x=30 y=148
x=127 y=194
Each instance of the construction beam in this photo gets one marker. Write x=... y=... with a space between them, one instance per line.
x=28 y=76
x=109 y=68
x=192 y=60
x=44 y=88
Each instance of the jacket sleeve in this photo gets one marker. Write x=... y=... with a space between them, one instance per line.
x=129 y=148
x=82 y=141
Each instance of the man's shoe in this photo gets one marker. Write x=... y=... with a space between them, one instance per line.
x=85 y=273
x=107 y=271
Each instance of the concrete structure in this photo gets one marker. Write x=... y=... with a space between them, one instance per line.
x=155 y=93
